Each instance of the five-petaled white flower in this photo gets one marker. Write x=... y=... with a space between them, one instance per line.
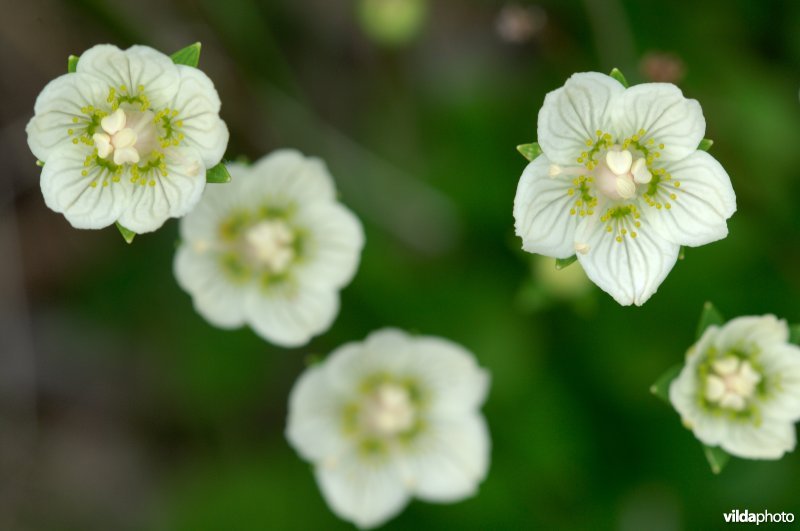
x=620 y=182
x=740 y=388
x=390 y=418
x=271 y=249
x=126 y=138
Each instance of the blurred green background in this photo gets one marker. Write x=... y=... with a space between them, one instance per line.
x=121 y=409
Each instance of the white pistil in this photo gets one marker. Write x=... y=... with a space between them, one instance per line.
x=388 y=410
x=640 y=172
x=732 y=383
x=270 y=243
x=117 y=139
x=619 y=162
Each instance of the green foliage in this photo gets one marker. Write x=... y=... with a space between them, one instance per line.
x=616 y=74
x=72 y=63
x=561 y=263
x=709 y=316
x=705 y=144
x=530 y=151
x=717 y=458
x=127 y=234
x=189 y=56
x=661 y=387
x=218 y=174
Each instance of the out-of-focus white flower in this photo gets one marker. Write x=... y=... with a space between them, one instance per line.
x=621 y=183
x=126 y=138
x=740 y=388
x=390 y=418
x=270 y=249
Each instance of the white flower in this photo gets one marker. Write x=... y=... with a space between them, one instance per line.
x=126 y=138
x=620 y=183
x=270 y=249
x=390 y=418
x=740 y=388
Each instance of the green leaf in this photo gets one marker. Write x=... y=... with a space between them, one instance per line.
x=794 y=334
x=72 y=63
x=530 y=151
x=661 y=387
x=710 y=316
x=561 y=263
x=218 y=174
x=705 y=144
x=717 y=458
x=616 y=74
x=126 y=233
x=189 y=56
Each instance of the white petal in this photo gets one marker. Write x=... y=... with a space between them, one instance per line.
x=161 y=197
x=449 y=460
x=290 y=316
x=197 y=103
x=365 y=492
x=57 y=105
x=781 y=365
x=703 y=203
x=450 y=374
x=219 y=300
x=665 y=115
x=288 y=177
x=332 y=248
x=542 y=211
x=769 y=440
x=753 y=330
x=385 y=351
x=67 y=191
x=314 y=426
x=574 y=113
x=138 y=65
x=630 y=270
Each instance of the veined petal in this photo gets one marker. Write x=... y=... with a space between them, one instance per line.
x=199 y=273
x=290 y=178
x=137 y=66
x=665 y=115
x=630 y=270
x=367 y=492
x=291 y=315
x=542 y=211
x=448 y=461
x=314 y=427
x=197 y=103
x=388 y=350
x=768 y=440
x=705 y=200
x=781 y=365
x=90 y=201
x=574 y=113
x=56 y=109
x=332 y=248
x=760 y=331
x=156 y=197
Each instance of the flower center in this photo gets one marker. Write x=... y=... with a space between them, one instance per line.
x=617 y=174
x=731 y=383
x=388 y=410
x=127 y=135
x=270 y=242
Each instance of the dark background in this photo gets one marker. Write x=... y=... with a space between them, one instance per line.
x=120 y=408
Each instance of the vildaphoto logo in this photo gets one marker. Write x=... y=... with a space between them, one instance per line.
x=746 y=517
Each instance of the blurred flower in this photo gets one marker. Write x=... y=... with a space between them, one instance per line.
x=516 y=23
x=663 y=67
x=390 y=418
x=392 y=22
x=127 y=137
x=740 y=388
x=270 y=249
x=621 y=182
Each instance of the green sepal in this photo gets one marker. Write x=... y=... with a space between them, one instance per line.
x=710 y=316
x=189 y=56
x=72 y=63
x=616 y=74
x=218 y=174
x=128 y=234
x=40 y=163
x=530 y=151
x=661 y=386
x=705 y=144
x=561 y=263
x=682 y=253
x=794 y=334
x=717 y=458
